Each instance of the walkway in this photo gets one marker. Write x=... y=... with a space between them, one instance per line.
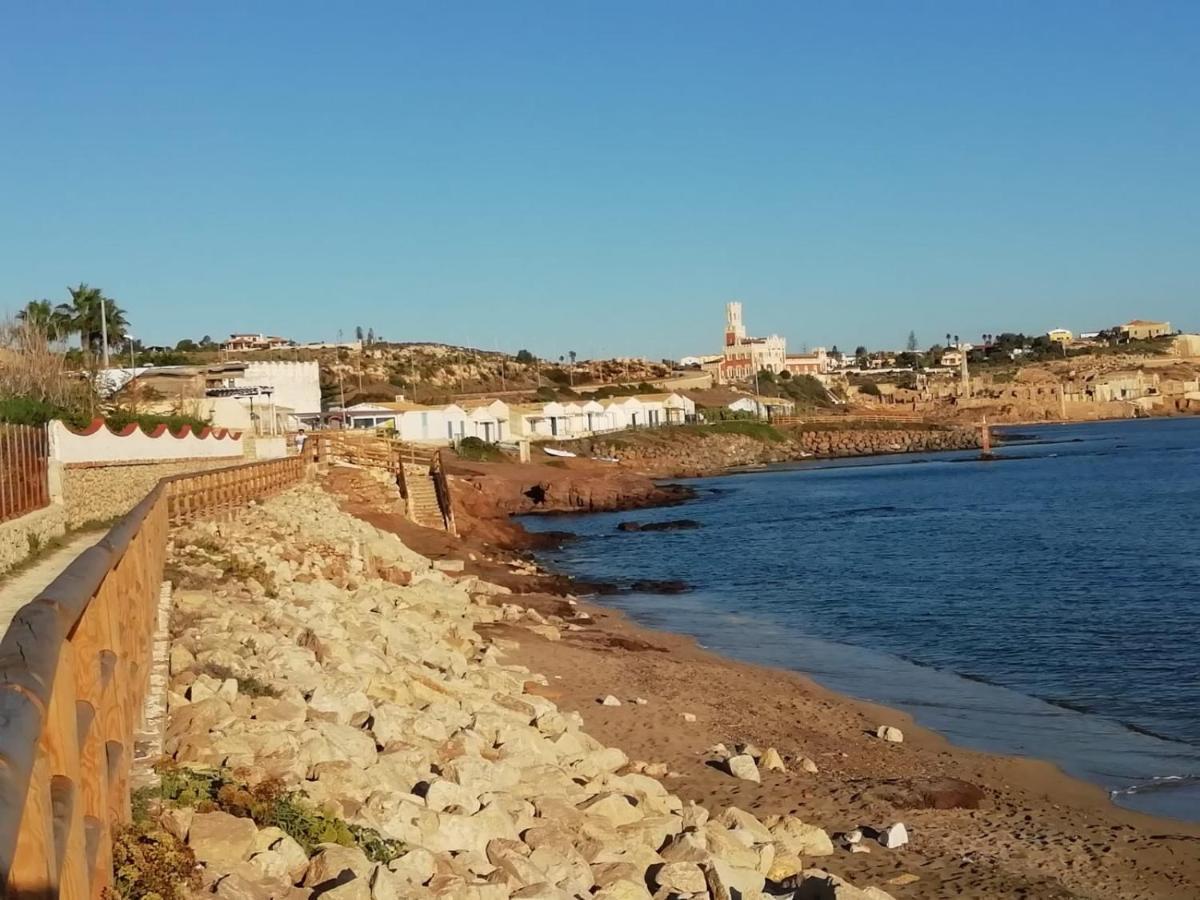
x=19 y=589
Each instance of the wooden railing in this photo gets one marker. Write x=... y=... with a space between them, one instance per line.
x=437 y=469
x=23 y=470
x=74 y=671
x=366 y=448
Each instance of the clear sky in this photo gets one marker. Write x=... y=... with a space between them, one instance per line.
x=604 y=176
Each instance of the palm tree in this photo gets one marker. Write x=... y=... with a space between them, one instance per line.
x=42 y=315
x=83 y=315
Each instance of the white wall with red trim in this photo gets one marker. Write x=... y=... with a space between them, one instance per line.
x=99 y=444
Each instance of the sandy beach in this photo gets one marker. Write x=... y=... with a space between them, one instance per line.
x=981 y=825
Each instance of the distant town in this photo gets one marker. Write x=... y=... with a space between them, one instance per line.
x=271 y=384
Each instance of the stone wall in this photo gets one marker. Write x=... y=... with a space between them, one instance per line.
x=664 y=454
x=893 y=440
x=19 y=537
x=98 y=492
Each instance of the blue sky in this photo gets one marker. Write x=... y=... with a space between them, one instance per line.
x=604 y=176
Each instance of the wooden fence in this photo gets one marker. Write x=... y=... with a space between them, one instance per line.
x=24 y=462
x=74 y=670
x=366 y=448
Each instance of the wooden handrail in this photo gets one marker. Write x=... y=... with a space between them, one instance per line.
x=74 y=671
x=366 y=448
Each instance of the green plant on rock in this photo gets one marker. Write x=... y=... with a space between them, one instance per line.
x=248 y=685
x=271 y=804
x=150 y=863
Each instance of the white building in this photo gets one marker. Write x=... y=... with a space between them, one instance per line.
x=743 y=356
x=295 y=386
x=487 y=420
x=539 y=420
x=413 y=422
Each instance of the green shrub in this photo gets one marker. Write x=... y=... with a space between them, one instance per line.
x=120 y=418
x=27 y=411
x=150 y=863
x=479 y=450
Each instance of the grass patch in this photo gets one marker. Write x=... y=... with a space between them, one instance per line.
x=760 y=431
x=271 y=804
x=203 y=550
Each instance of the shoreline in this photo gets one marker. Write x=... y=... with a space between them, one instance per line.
x=1039 y=833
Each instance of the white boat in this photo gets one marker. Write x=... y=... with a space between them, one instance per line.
x=550 y=451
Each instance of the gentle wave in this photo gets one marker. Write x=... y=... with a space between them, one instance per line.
x=1160 y=783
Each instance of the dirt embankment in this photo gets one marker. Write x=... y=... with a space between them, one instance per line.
x=486 y=495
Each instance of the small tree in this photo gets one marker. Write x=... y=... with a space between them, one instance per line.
x=524 y=356
x=358 y=333
x=911 y=344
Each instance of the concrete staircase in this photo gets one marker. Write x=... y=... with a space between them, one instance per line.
x=422 y=498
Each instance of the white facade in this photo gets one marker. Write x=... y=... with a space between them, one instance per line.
x=488 y=421
x=294 y=385
x=410 y=421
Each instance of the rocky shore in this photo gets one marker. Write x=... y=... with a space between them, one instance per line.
x=346 y=721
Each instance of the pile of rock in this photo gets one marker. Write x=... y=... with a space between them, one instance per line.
x=382 y=704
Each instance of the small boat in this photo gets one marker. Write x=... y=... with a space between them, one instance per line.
x=550 y=451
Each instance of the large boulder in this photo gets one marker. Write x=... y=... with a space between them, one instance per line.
x=220 y=840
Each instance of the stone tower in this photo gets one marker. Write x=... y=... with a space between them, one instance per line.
x=735 y=331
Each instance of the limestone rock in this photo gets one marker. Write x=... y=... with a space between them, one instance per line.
x=680 y=878
x=610 y=700
x=743 y=767
x=801 y=838
x=890 y=733
x=335 y=865
x=220 y=840
x=894 y=836
x=772 y=761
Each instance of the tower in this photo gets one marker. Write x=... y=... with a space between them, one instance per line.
x=735 y=331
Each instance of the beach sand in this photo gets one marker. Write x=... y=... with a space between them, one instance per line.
x=1036 y=834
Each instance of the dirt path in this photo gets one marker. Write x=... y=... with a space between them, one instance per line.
x=19 y=589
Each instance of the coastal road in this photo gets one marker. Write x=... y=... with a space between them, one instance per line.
x=19 y=589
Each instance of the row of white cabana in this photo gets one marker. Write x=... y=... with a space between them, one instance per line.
x=496 y=421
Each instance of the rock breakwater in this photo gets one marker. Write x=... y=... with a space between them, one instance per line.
x=708 y=454
x=343 y=725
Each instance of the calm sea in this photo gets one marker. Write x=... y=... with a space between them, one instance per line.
x=1045 y=604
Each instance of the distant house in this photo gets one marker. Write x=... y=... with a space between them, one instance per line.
x=666 y=409
x=245 y=342
x=818 y=362
x=1060 y=336
x=1142 y=329
x=410 y=421
x=952 y=358
x=538 y=421
x=487 y=420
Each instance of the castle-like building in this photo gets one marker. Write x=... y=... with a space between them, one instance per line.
x=743 y=356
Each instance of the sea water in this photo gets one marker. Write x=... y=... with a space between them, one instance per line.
x=1045 y=604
